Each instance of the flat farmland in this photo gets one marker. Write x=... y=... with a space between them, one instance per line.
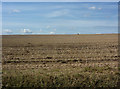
x=84 y=60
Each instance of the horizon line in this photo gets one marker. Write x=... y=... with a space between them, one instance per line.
x=61 y=34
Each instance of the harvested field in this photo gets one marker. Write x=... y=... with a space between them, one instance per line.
x=60 y=60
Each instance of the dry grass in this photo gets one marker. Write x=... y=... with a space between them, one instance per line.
x=60 y=60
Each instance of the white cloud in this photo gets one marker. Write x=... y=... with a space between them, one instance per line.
x=86 y=15
x=48 y=27
x=58 y=13
x=16 y=11
x=40 y=30
x=27 y=31
x=36 y=33
x=99 y=8
x=52 y=32
x=98 y=33
x=7 y=31
x=54 y=29
x=92 y=8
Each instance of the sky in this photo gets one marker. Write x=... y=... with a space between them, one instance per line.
x=60 y=0
x=0 y=18
x=59 y=17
